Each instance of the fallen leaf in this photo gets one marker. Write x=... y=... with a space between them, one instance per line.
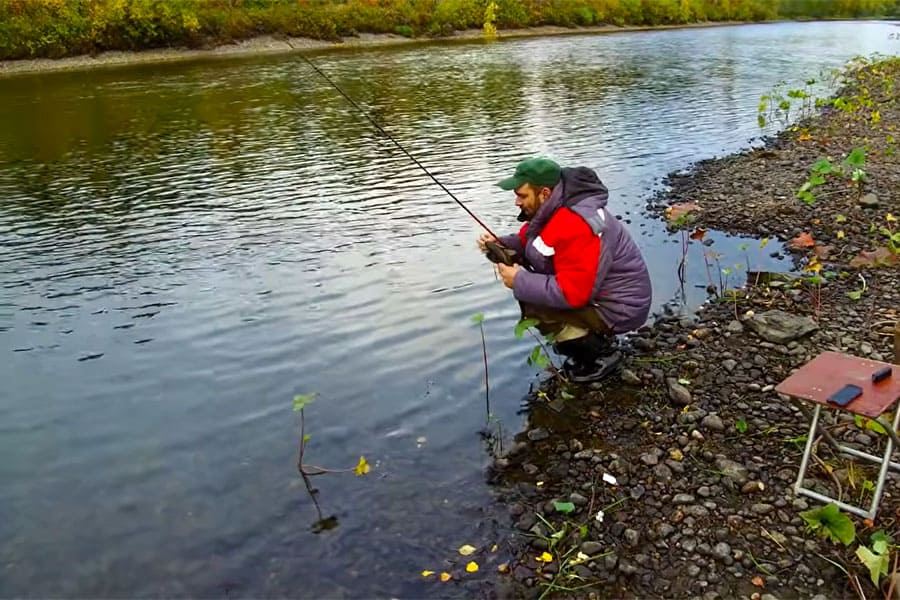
x=763 y=243
x=472 y=567
x=494 y=548
x=676 y=455
x=758 y=581
x=545 y=557
x=698 y=234
x=466 y=549
x=823 y=251
x=427 y=573
x=680 y=211
x=841 y=235
x=890 y=218
x=804 y=240
x=814 y=266
x=539 y=483
x=880 y=257
x=503 y=568
x=362 y=467
x=445 y=576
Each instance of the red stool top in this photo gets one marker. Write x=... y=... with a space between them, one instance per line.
x=830 y=371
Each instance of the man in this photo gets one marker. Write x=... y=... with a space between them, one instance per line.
x=576 y=268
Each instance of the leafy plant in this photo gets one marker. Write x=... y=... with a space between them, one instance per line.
x=741 y=426
x=851 y=168
x=830 y=523
x=876 y=558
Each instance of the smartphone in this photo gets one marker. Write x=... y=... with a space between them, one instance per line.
x=845 y=395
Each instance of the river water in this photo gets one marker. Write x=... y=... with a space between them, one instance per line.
x=187 y=246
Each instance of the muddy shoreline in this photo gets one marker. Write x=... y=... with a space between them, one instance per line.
x=270 y=44
x=702 y=451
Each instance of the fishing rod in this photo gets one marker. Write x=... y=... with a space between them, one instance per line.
x=396 y=143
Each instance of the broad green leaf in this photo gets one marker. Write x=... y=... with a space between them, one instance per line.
x=857 y=158
x=523 y=326
x=564 y=507
x=823 y=167
x=880 y=547
x=816 y=180
x=876 y=563
x=583 y=530
x=840 y=219
x=477 y=319
x=806 y=185
x=855 y=294
x=831 y=523
x=542 y=361
x=873 y=425
x=741 y=425
x=301 y=400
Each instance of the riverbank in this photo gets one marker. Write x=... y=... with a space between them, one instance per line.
x=268 y=44
x=676 y=481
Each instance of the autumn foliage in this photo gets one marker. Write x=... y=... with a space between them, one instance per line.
x=55 y=28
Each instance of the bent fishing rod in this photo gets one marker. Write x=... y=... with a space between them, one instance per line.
x=396 y=143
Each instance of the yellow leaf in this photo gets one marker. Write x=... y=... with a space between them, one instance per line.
x=445 y=576
x=503 y=568
x=676 y=454
x=890 y=218
x=466 y=549
x=362 y=467
x=539 y=483
x=545 y=557
x=841 y=235
x=472 y=567
x=494 y=548
x=427 y=573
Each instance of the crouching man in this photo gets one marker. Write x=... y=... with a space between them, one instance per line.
x=575 y=268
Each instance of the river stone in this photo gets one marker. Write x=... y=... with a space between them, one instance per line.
x=577 y=499
x=682 y=499
x=632 y=537
x=678 y=393
x=732 y=469
x=735 y=326
x=729 y=364
x=869 y=200
x=781 y=327
x=713 y=423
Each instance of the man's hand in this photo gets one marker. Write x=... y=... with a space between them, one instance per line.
x=483 y=240
x=508 y=274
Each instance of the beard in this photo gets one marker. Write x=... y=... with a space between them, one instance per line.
x=523 y=216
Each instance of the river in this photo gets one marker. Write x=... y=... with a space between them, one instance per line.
x=186 y=246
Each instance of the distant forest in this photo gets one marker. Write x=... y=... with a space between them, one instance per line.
x=56 y=28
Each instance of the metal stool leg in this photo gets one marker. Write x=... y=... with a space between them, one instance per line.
x=804 y=462
x=885 y=464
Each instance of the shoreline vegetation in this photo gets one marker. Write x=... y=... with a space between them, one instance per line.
x=38 y=35
x=677 y=481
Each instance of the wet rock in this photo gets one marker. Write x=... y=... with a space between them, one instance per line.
x=591 y=548
x=869 y=200
x=629 y=377
x=713 y=423
x=516 y=509
x=678 y=393
x=538 y=434
x=781 y=327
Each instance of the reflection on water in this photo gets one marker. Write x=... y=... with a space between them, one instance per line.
x=187 y=246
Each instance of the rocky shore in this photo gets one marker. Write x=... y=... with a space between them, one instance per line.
x=675 y=481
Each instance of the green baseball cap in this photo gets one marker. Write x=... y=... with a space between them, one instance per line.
x=536 y=171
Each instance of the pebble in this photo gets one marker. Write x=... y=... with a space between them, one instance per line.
x=664 y=530
x=591 y=548
x=735 y=327
x=729 y=364
x=632 y=537
x=866 y=348
x=678 y=393
x=662 y=472
x=762 y=509
x=628 y=377
x=682 y=499
x=753 y=486
x=713 y=423
x=733 y=470
x=869 y=200
x=577 y=499
x=721 y=551
x=704 y=491
x=650 y=458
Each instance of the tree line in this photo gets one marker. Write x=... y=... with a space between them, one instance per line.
x=56 y=28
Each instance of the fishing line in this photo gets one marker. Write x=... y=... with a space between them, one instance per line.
x=396 y=143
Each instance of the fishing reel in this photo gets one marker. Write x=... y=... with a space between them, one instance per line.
x=498 y=254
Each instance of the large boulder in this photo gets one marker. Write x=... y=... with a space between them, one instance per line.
x=780 y=327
